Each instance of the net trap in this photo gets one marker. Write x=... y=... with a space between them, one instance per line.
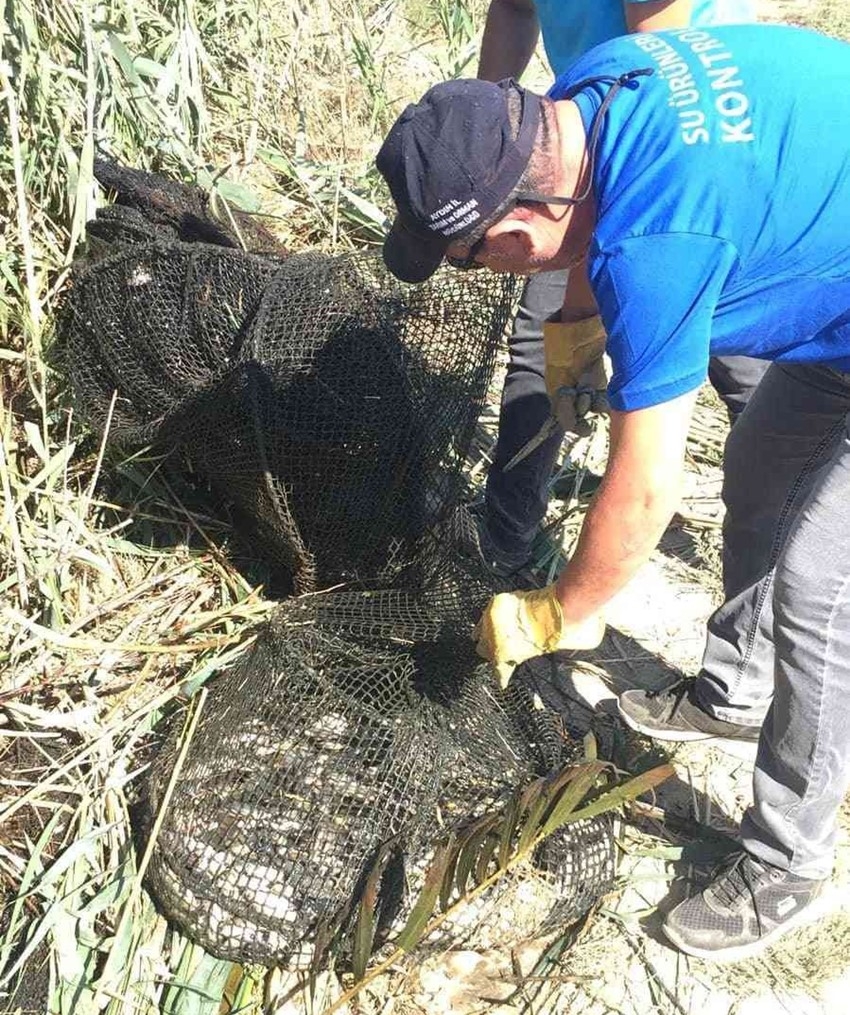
x=360 y=737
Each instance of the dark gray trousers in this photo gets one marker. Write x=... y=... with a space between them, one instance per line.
x=516 y=500
x=778 y=649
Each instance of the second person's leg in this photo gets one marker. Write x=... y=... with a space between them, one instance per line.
x=735 y=378
x=515 y=501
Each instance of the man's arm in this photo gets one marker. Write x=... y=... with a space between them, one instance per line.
x=510 y=35
x=656 y=16
x=638 y=495
x=579 y=301
x=632 y=507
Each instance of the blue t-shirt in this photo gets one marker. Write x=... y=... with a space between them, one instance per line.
x=722 y=189
x=571 y=27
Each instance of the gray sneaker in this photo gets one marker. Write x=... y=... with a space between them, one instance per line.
x=744 y=910
x=673 y=714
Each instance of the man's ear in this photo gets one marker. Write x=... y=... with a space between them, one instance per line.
x=516 y=228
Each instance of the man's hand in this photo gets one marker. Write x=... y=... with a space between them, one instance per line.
x=516 y=626
x=575 y=375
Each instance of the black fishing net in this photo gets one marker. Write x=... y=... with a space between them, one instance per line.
x=359 y=719
x=335 y=408
x=151 y=207
x=331 y=407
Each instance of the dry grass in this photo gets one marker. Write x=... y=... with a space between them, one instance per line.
x=829 y=16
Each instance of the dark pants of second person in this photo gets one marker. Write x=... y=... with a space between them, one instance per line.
x=516 y=500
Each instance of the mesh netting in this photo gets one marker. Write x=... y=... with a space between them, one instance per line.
x=335 y=408
x=328 y=405
x=149 y=207
x=336 y=735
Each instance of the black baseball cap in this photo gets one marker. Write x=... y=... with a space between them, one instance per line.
x=451 y=161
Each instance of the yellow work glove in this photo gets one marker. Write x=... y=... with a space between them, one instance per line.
x=516 y=626
x=575 y=375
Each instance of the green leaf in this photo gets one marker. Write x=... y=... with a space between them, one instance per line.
x=198 y=983
x=244 y=990
x=411 y=933
x=193 y=682
x=46 y=475
x=169 y=77
x=364 y=928
x=550 y=791
x=148 y=68
x=86 y=846
x=276 y=160
x=485 y=856
x=125 y=60
x=576 y=790
x=324 y=937
x=367 y=209
x=468 y=854
x=449 y=879
x=536 y=805
x=626 y=791
x=74 y=997
x=69 y=958
x=34 y=436
x=516 y=806
x=235 y=193
x=14 y=922
x=54 y=915
x=113 y=892
x=546 y=965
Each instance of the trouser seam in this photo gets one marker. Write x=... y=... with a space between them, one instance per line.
x=776 y=547
x=817 y=757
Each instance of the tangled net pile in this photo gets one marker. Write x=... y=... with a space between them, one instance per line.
x=335 y=409
x=330 y=404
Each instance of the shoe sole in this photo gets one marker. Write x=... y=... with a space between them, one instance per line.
x=730 y=744
x=818 y=909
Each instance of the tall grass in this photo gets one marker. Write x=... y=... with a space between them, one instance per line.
x=277 y=105
x=263 y=93
x=115 y=604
